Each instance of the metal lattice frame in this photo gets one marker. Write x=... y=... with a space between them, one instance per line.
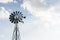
x=16 y=33
x=15 y=18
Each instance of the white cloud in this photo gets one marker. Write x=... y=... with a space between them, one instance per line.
x=42 y=36
x=4 y=14
x=7 y=1
x=48 y=15
x=48 y=19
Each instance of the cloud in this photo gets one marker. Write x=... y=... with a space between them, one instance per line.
x=39 y=30
x=4 y=14
x=37 y=8
x=7 y=1
x=42 y=36
x=47 y=14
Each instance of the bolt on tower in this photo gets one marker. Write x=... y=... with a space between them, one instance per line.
x=15 y=18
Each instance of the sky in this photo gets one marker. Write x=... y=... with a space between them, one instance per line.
x=42 y=19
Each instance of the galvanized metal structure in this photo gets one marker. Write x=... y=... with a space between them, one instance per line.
x=15 y=18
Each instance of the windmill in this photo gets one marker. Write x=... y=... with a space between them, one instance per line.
x=15 y=18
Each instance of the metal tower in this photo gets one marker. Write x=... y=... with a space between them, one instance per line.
x=15 y=18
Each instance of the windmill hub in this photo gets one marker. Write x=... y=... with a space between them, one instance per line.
x=16 y=17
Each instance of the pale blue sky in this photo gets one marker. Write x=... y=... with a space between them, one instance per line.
x=42 y=19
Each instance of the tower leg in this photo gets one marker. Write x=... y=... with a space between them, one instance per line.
x=16 y=33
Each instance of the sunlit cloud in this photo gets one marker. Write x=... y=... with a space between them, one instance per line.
x=47 y=14
x=4 y=14
x=7 y=1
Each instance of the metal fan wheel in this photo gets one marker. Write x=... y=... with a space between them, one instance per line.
x=16 y=17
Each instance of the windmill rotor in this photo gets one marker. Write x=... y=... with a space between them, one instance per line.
x=16 y=17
